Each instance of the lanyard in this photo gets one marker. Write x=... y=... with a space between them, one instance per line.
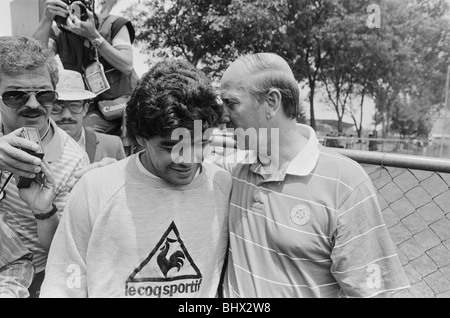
x=2 y=191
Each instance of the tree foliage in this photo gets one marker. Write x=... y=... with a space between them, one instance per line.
x=402 y=65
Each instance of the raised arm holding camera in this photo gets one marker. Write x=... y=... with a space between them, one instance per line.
x=27 y=90
x=98 y=44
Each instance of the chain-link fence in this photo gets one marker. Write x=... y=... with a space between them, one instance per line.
x=431 y=148
x=414 y=194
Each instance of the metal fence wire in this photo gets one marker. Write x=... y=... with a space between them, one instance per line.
x=414 y=195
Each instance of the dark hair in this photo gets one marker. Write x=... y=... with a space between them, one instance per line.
x=19 y=54
x=172 y=94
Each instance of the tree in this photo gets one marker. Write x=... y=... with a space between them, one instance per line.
x=209 y=34
x=303 y=41
x=324 y=41
x=193 y=30
x=352 y=64
x=409 y=119
x=414 y=51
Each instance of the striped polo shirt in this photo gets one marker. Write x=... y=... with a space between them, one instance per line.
x=313 y=229
x=16 y=269
x=65 y=157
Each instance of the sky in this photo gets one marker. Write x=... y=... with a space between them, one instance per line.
x=5 y=18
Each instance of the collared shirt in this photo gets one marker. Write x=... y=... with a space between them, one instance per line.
x=65 y=157
x=82 y=140
x=312 y=229
x=16 y=268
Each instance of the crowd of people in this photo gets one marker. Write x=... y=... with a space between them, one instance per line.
x=285 y=218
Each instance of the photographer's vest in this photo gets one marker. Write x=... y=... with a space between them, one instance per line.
x=76 y=56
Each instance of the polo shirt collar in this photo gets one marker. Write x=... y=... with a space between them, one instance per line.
x=306 y=160
x=302 y=165
x=54 y=149
x=82 y=140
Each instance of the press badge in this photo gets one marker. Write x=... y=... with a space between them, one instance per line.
x=95 y=78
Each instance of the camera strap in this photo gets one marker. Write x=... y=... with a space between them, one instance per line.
x=46 y=132
x=2 y=190
x=95 y=78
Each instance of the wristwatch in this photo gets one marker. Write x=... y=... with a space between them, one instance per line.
x=97 y=42
x=48 y=215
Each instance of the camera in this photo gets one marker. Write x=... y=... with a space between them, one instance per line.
x=78 y=9
x=30 y=133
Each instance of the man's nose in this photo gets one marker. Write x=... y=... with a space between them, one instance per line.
x=33 y=102
x=225 y=117
x=66 y=113
x=226 y=111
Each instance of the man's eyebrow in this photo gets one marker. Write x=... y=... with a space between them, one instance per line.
x=18 y=87
x=228 y=99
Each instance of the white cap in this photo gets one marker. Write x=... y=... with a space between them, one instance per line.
x=71 y=86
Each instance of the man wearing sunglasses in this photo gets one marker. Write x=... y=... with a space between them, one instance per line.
x=28 y=77
x=68 y=113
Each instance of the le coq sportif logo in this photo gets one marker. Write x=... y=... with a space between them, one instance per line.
x=168 y=271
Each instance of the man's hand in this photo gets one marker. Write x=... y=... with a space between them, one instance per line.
x=55 y=8
x=18 y=161
x=85 y=29
x=78 y=174
x=42 y=192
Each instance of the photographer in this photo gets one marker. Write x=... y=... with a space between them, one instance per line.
x=68 y=113
x=82 y=38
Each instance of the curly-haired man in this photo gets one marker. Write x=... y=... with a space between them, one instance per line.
x=155 y=223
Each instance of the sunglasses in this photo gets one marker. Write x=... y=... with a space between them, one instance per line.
x=74 y=107
x=18 y=98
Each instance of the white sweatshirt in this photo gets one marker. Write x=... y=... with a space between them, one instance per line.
x=125 y=233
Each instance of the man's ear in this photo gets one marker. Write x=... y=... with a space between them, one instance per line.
x=273 y=102
x=87 y=103
x=140 y=141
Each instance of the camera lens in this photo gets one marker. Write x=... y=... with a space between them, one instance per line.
x=77 y=8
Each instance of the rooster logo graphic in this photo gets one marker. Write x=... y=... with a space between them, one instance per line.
x=176 y=260
x=170 y=258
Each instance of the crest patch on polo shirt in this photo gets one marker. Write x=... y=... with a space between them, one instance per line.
x=300 y=215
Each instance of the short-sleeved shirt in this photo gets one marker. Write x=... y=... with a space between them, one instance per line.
x=16 y=268
x=313 y=229
x=65 y=157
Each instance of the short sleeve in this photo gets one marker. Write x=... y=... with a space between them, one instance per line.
x=122 y=38
x=364 y=259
